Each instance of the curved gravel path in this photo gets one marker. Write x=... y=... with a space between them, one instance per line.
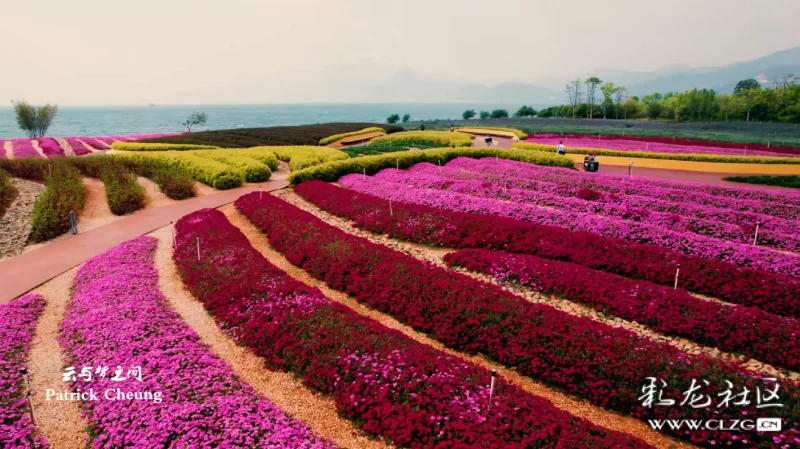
x=15 y=224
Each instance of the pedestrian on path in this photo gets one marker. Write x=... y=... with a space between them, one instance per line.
x=561 y=149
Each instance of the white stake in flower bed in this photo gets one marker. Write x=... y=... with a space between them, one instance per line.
x=677 y=273
x=398 y=164
x=630 y=170
x=198 y=248
x=365 y=173
x=174 y=240
x=492 y=386
x=24 y=372
x=390 y=208
x=768 y=144
x=755 y=239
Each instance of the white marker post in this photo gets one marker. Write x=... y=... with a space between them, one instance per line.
x=755 y=239
x=398 y=164
x=630 y=170
x=24 y=372
x=492 y=386
x=365 y=173
x=174 y=240
x=198 y=248
x=677 y=273
x=390 y=208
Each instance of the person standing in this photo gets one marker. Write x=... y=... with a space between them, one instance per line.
x=422 y=127
x=452 y=128
x=561 y=149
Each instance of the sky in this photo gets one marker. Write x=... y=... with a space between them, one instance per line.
x=100 y=52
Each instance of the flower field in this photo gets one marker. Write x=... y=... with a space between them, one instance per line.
x=632 y=144
x=78 y=146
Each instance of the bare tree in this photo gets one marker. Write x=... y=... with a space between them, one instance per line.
x=620 y=93
x=195 y=118
x=574 y=93
x=591 y=87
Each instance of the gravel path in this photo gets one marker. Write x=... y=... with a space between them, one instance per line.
x=155 y=198
x=282 y=389
x=435 y=255
x=59 y=422
x=15 y=224
x=9 y=153
x=578 y=408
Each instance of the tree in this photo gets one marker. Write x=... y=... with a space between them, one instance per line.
x=620 y=94
x=631 y=107
x=574 y=93
x=468 y=114
x=34 y=120
x=525 y=111
x=750 y=98
x=499 y=113
x=591 y=87
x=406 y=118
x=747 y=84
x=485 y=114
x=195 y=118
x=729 y=106
x=608 y=90
x=392 y=119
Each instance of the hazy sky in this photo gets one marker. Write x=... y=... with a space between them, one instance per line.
x=268 y=51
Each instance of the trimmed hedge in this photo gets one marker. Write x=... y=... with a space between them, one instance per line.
x=674 y=157
x=174 y=183
x=438 y=138
x=63 y=193
x=335 y=137
x=521 y=135
x=791 y=181
x=306 y=156
x=208 y=171
x=332 y=171
x=252 y=169
x=139 y=146
x=6 y=191
x=124 y=194
x=265 y=155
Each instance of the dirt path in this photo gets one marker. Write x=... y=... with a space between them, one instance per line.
x=15 y=224
x=9 y=152
x=578 y=408
x=38 y=149
x=282 y=389
x=60 y=422
x=68 y=151
x=155 y=197
x=436 y=255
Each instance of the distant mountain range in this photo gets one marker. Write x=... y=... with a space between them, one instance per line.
x=373 y=83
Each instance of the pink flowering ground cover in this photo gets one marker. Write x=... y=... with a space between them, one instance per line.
x=684 y=242
x=773 y=232
x=23 y=148
x=393 y=387
x=77 y=146
x=651 y=147
x=118 y=317
x=430 y=176
x=50 y=147
x=786 y=206
x=17 y=324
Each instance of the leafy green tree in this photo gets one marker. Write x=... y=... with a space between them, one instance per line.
x=750 y=98
x=485 y=114
x=591 y=88
x=620 y=94
x=468 y=114
x=34 y=120
x=406 y=118
x=747 y=84
x=195 y=118
x=392 y=119
x=499 y=113
x=525 y=111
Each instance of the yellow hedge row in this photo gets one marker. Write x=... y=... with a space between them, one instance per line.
x=335 y=137
x=332 y=171
x=300 y=157
x=665 y=156
x=141 y=146
x=440 y=138
x=521 y=135
x=252 y=169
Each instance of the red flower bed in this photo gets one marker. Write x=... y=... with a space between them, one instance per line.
x=747 y=330
x=600 y=363
x=394 y=387
x=771 y=292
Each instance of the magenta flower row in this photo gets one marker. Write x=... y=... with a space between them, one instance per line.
x=23 y=148
x=594 y=361
x=393 y=387
x=118 y=317
x=17 y=323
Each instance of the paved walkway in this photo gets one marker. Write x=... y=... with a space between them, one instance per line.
x=26 y=271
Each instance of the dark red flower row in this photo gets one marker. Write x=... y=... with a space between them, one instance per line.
x=771 y=292
x=606 y=365
x=747 y=330
x=394 y=387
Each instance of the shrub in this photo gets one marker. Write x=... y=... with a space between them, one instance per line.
x=792 y=181
x=174 y=183
x=63 y=193
x=304 y=157
x=332 y=171
x=665 y=156
x=6 y=191
x=482 y=130
x=265 y=155
x=252 y=169
x=438 y=138
x=29 y=168
x=140 y=146
x=214 y=173
x=335 y=137
x=124 y=194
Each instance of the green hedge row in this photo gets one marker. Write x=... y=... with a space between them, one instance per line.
x=252 y=169
x=332 y=171
x=521 y=135
x=6 y=191
x=428 y=138
x=63 y=193
x=141 y=146
x=300 y=157
x=665 y=156
x=335 y=137
x=124 y=194
x=208 y=171
x=265 y=155
x=792 y=181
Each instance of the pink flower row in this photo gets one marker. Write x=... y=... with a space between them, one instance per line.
x=24 y=148
x=650 y=147
x=684 y=242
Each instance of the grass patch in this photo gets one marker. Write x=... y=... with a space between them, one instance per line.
x=428 y=138
x=791 y=181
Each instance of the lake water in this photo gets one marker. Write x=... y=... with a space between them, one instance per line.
x=110 y=120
